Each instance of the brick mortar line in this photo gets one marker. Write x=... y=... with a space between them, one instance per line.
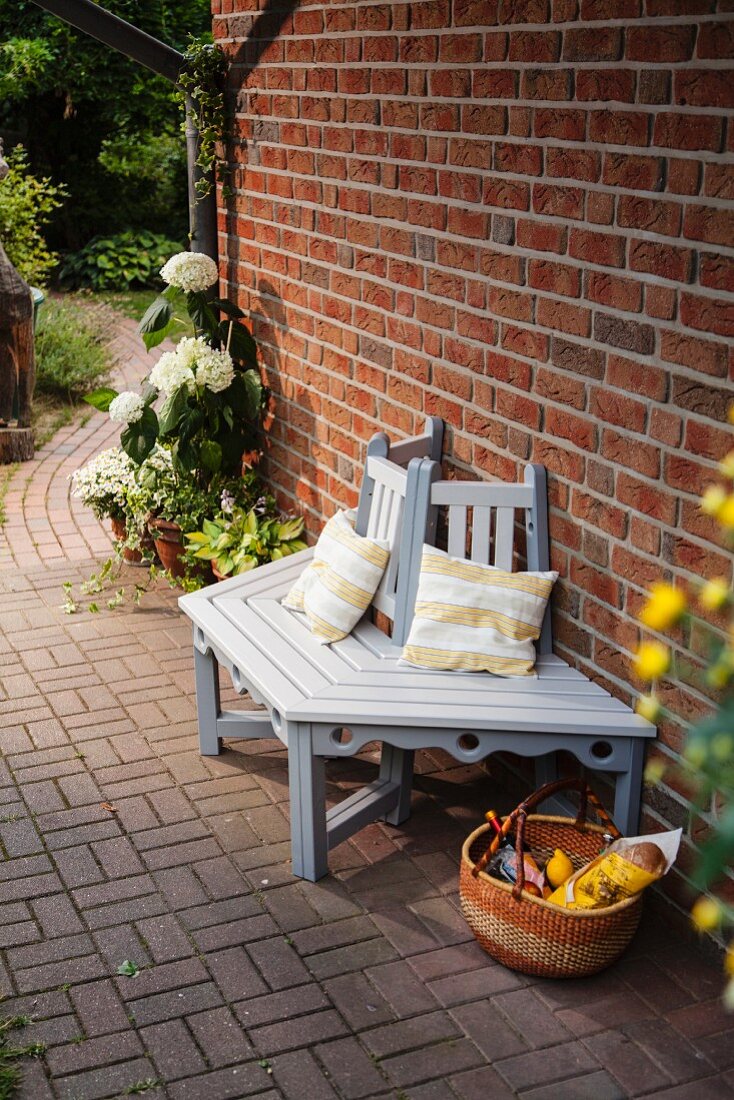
x=646 y=281
x=450 y=202
x=678 y=369
x=699 y=156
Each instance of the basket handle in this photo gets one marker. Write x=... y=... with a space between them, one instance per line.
x=518 y=817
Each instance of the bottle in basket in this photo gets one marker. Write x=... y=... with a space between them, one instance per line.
x=503 y=864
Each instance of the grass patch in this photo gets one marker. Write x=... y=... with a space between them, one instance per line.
x=10 y=1070
x=6 y=474
x=73 y=348
x=73 y=357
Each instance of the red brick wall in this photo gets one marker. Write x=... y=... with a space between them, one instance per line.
x=515 y=215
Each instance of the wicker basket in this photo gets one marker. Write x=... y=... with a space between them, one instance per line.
x=526 y=933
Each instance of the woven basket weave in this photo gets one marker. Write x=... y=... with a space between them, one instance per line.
x=526 y=933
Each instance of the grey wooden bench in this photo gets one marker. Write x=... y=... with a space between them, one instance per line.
x=330 y=701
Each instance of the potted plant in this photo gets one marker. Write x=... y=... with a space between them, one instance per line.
x=168 y=503
x=103 y=485
x=245 y=538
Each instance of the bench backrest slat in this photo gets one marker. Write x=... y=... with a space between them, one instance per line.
x=392 y=478
x=488 y=512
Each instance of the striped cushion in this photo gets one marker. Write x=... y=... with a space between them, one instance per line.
x=476 y=618
x=337 y=587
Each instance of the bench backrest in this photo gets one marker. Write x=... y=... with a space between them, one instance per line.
x=481 y=526
x=396 y=483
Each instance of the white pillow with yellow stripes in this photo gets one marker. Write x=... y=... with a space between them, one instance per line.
x=476 y=618
x=338 y=585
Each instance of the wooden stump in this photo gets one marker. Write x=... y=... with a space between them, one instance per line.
x=16 y=445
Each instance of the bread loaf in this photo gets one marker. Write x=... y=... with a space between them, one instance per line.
x=646 y=855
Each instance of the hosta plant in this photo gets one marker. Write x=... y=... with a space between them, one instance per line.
x=241 y=541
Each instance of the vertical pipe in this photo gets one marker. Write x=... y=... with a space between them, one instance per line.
x=202 y=211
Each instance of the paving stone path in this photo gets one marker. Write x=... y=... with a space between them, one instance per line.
x=119 y=842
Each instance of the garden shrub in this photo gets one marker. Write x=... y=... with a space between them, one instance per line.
x=26 y=205
x=119 y=262
x=72 y=349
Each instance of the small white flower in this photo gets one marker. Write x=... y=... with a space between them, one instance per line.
x=172 y=371
x=227 y=502
x=127 y=408
x=190 y=271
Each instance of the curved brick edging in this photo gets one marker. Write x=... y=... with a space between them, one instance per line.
x=45 y=524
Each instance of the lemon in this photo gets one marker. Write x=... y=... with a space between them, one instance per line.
x=558 y=868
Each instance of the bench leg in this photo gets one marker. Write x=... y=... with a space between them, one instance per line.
x=396 y=766
x=628 y=790
x=206 y=670
x=307 y=785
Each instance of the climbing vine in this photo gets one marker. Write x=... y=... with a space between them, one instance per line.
x=202 y=77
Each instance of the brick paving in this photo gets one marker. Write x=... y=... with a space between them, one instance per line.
x=365 y=986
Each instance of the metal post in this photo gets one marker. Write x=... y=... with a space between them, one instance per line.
x=202 y=211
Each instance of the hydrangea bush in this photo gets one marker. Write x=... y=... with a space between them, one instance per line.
x=205 y=399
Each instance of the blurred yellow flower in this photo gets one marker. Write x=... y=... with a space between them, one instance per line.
x=729 y=960
x=731 y=413
x=722 y=746
x=718 y=675
x=714 y=594
x=664 y=606
x=652 y=660
x=695 y=752
x=648 y=706
x=725 y=514
x=706 y=914
x=727 y=466
x=713 y=499
x=654 y=771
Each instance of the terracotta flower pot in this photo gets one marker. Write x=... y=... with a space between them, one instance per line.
x=119 y=530
x=168 y=541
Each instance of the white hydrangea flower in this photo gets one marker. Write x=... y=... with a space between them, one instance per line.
x=103 y=482
x=194 y=362
x=170 y=372
x=214 y=369
x=127 y=408
x=190 y=271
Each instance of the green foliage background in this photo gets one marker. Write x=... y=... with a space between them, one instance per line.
x=103 y=126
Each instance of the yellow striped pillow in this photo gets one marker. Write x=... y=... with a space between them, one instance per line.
x=476 y=618
x=338 y=586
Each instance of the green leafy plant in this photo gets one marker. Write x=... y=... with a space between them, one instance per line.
x=244 y=540
x=128 y=969
x=129 y=259
x=203 y=80
x=72 y=349
x=26 y=205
